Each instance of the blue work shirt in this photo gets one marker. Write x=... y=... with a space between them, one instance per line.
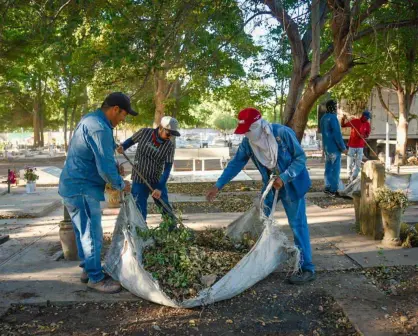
x=291 y=164
x=331 y=134
x=90 y=160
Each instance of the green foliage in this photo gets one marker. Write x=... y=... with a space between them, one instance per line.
x=409 y=235
x=179 y=258
x=225 y=123
x=62 y=62
x=384 y=59
x=30 y=175
x=390 y=200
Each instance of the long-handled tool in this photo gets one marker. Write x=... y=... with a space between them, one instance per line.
x=164 y=205
x=365 y=141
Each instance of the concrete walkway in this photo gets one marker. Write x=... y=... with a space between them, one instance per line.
x=29 y=274
x=20 y=204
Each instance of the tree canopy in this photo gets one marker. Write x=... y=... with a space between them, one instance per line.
x=59 y=59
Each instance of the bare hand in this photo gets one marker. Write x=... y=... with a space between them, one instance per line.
x=120 y=150
x=127 y=188
x=211 y=194
x=278 y=183
x=345 y=151
x=121 y=170
x=156 y=194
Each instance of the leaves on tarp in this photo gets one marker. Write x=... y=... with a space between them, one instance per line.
x=185 y=262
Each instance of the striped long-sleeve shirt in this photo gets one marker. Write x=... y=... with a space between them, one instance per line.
x=150 y=156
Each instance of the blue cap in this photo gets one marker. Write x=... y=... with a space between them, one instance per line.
x=367 y=114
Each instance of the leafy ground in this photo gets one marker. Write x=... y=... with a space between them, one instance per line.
x=199 y=189
x=272 y=307
x=328 y=202
x=401 y=284
x=240 y=202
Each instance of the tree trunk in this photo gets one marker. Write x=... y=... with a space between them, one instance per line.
x=275 y=111
x=340 y=27
x=72 y=121
x=41 y=129
x=36 y=139
x=42 y=116
x=344 y=26
x=296 y=86
x=36 y=114
x=160 y=91
x=316 y=39
x=401 y=129
x=177 y=97
x=281 y=101
x=66 y=107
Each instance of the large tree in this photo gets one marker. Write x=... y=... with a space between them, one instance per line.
x=341 y=22
x=390 y=63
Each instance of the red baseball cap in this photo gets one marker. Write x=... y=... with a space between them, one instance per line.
x=246 y=118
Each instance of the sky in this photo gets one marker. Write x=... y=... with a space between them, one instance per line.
x=258 y=32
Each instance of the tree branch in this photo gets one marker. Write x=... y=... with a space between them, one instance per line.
x=292 y=31
x=316 y=38
x=324 y=56
x=385 y=26
x=243 y=26
x=412 y=117
x=385 y=107
x=369 y=11
x=61 y=9
x=307 y=38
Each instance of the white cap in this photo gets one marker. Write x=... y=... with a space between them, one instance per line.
x=170 y=124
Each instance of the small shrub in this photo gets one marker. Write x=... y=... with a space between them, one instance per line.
x=30 y=175
x=390 y=200
x=409 y=235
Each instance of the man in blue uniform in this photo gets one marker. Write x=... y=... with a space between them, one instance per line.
x=275 y=150
x=89 y=166
x=333 y=146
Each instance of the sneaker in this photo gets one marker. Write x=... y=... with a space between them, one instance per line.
x=107 y=286
x=84 y=278
x=331 y=193
x=302 y=278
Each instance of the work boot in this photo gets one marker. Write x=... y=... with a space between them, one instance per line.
x=302 y=278
x=84 y=278
x=107 y=286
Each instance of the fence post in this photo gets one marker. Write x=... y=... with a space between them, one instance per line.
x=8 y=181
x=372 y=177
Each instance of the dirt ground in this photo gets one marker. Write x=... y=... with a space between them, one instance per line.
x=328 y=202
x=272 y=307
x=401 y=285
x=199 y=189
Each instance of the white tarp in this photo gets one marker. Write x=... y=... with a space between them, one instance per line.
x=124 y=259
x=407 y=183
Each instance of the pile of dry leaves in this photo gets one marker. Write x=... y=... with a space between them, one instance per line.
x=185 y=262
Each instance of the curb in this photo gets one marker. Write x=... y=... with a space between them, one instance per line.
x=43 y=212
x=49 y=208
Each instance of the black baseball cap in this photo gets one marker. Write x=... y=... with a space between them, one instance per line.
x=119 y=99
x=331 y=106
